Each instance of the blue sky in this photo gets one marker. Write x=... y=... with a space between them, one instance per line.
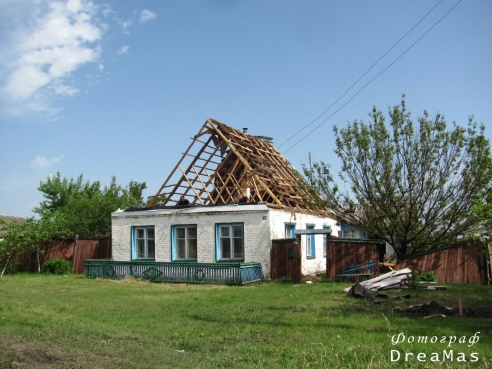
x=118 y=88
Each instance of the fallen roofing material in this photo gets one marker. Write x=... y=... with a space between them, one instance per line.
x=222 y=164
x=386 y=281
x=369 y=289
x=357 y=290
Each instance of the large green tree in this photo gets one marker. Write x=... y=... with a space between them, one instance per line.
x=84 y=208
x=410 y=183
x=20 y=238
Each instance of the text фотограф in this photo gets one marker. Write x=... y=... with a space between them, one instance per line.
x=450 y=352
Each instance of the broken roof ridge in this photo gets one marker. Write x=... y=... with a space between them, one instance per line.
x=223 y=163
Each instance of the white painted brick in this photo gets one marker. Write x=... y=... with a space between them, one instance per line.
x=261 y=225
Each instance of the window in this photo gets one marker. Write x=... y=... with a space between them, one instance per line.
x=143 y=243
x=325 y=237
x=310 y=245
x=352 y=232
x=230 y=242
x=290 y=229
x=184 y=242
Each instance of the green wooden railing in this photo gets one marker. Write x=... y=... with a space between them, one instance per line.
x=212 y=273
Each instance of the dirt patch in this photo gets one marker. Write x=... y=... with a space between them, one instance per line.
x=17 y=353
x=435 y=309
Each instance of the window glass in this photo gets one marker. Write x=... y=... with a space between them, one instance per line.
x=185 y=242
x=181 y=248
x=151 y=249
x=150 y=233
x=192 y=232
x=231 y=242
x=290 y=231
x=140 y=232
x=141 y=248
x=238 y=231
x=226 y=248
x=180 y=233
x=193 y=249
x=310 y=246
x=144 y=243
x=238 y=248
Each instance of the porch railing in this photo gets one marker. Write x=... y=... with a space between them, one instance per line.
x=207 y=273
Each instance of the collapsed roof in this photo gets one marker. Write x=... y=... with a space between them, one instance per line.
x=223 y=163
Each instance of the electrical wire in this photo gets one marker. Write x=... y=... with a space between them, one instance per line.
x=368 y=83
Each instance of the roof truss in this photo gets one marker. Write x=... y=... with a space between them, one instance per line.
x=222 y=162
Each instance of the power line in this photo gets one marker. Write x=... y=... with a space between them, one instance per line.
x=368 y=83
x=365 y=73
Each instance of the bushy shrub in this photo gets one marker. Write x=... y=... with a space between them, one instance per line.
x=57 y=266
x=413 y=281
x=427 y=277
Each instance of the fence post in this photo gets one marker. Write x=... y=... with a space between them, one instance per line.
x=75 y=249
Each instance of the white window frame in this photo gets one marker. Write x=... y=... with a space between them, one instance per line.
x=143 y=236
x=190 y=240
x=236 y=244
x=325 y=238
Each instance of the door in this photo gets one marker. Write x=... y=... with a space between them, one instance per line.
x=285 y=259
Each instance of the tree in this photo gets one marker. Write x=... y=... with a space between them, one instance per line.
x=481 y=212
x=411 y=184
x=84 y=208
x=21 y=238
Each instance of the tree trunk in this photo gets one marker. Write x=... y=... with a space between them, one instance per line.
x=37 y=260
x=5 y=266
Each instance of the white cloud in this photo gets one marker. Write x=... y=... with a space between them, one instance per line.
x=123 y=50
x=48 y=44
x=42 y=163
x=146 y=16
x=126 y=24
x=44 y=43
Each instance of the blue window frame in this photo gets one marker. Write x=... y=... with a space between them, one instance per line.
x=352 y=232
x=184 y=242
x=143 y=243
x=290 y=230
x=230 y=241
x=310 y=244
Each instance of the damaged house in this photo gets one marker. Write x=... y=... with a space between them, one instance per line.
x=226 y=200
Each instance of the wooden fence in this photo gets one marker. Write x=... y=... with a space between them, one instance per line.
x=342 y=254
x=77 y=251
x=462 y=262
x=285 y=259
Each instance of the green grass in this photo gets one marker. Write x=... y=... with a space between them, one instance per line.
x=74 y=322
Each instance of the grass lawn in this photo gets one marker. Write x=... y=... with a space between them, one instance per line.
x=74 y=322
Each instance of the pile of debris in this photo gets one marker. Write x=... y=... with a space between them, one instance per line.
x=391 y=280
x=401 y=280
x=429 y=310
x=397 y=279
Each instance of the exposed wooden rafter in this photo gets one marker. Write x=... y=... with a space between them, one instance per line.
x=222 y=162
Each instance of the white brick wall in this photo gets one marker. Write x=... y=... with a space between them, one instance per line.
x=254 y=217
x=278 y=220
x=261 y=225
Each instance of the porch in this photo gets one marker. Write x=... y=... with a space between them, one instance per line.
x=234 y=273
